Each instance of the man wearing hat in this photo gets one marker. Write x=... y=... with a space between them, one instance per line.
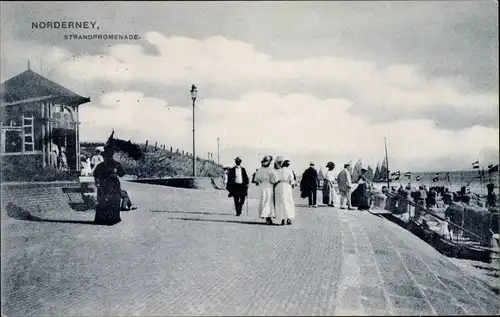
x=345 y=185
x=237 y=185
x=309 y=184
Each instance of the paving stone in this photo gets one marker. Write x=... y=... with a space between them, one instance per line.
x=364 y=249
x=350 y=251
x=443 y=303
x=367 y=259
x=410 y=305
x=407 y=289
x=376 y=312
x=373 y=297
x=350 y=299
x=192 y=256
x=454 y=287
x=425 y=277
x=369 y=275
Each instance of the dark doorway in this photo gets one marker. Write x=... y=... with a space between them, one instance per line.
x=66 y=138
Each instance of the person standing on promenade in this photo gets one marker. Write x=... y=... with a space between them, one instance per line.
x=253 y=177
x=97 y=157
x=491 y=198
x=109 y=192
x=224 y=176
x=329 y=196
x=265 y=178
x=285 y=206
x=309 y=185
x=237 y=185
x=363 y=191
x=345 y=185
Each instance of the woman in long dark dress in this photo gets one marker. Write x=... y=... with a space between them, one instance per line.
x=108 y=189
x=363 y=194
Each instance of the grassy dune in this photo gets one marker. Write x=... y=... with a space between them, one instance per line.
x=159 y=163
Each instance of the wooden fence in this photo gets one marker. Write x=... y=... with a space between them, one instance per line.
x=147 y=148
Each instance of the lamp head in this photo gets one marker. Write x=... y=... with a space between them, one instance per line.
x=194 y=92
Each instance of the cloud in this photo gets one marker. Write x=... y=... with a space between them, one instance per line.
x=216 y=60
x=15 y=56
x=362 y=103
x=136 y=117
x=290 y=125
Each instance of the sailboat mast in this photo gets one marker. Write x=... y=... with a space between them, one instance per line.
x=387 y=163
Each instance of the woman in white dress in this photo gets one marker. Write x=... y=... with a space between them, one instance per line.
x=329 y=195
x=284 y=204
x=265 y=178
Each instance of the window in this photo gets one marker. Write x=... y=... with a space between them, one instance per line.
x=63 y=118
x=17 y=136
x=13 y=141
x=29 y=144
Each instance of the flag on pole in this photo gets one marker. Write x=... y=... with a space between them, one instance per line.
x=417 y=178
x=395 y=176
x=475 y=165
x=493 y=169
x=408 y=175
x=436 y=178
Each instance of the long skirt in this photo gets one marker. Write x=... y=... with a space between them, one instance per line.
x=107 y=211
x=361 y=197
x=266 y=204
x=284 y=204
x=329 y=195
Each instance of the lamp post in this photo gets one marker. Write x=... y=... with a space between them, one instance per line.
x=194 y=95
x=218 y=152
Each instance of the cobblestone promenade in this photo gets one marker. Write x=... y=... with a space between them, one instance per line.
x=184 y=252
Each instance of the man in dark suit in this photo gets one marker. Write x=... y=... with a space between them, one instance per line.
x=237 y=185
x=309 y=184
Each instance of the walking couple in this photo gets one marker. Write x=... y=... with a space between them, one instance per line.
x=275 y=186
x=310 y=183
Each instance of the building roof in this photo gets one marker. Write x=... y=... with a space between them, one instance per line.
x=30 y=86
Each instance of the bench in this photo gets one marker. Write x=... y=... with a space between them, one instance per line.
x=88 y=190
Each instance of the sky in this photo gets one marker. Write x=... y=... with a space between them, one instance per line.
x=309 y=81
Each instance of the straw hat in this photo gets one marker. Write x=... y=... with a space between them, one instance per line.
x=267 y=158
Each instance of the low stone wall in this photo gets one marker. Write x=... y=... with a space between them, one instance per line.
x=42 y=198
x=185 y=182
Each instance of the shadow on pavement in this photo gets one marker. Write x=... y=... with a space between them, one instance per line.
x=18 y=213
x=195 y=213
x=81 y=207
x=226 y=221
x=302 y=205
